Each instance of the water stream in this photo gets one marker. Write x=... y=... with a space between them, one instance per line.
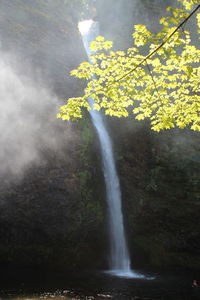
x=119 y=263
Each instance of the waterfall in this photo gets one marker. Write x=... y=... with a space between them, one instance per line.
x=119 y=263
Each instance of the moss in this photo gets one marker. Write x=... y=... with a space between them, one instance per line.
x=156 y=252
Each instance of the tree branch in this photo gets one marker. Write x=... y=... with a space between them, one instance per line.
x=161 y=45
x=153 y=80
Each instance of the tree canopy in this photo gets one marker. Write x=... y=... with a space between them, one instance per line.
x=157 y=78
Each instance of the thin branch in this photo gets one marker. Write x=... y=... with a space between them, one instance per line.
x=153 y=80
x=161 y=45
x=151 y=53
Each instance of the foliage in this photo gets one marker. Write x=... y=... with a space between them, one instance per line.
x=157 y=78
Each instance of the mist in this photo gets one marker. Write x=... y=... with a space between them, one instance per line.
x=27 y=118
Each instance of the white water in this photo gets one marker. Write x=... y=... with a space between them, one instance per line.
x=119 y=256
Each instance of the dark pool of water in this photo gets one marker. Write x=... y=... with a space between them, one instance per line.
x=18 y=284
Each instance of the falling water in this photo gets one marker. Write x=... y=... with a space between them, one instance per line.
x=119 y=257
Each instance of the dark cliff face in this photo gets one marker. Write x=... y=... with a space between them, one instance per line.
x=54 y=212
x=159 y=176
x=51 y=211
x=53 y=217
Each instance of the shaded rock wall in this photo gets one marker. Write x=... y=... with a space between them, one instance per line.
x=51 y=211
x=160 y=190
x=54 y=214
